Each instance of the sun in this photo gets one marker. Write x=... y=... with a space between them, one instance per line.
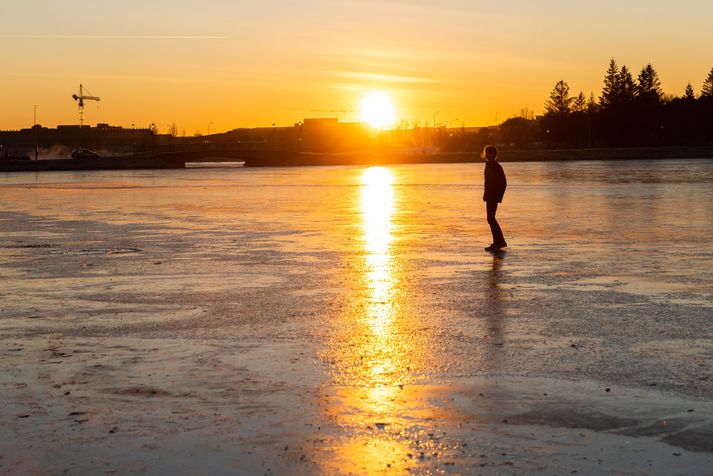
x=377 y=109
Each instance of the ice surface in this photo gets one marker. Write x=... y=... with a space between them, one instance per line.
x=330 y=319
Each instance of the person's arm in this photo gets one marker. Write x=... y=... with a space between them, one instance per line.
x=502 y=183
x=485 y=182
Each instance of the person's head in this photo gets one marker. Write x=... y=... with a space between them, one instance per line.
x=490 y=152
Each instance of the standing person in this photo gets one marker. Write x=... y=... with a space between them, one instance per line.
x=495 y=184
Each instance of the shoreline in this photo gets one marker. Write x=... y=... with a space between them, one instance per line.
x=279 y=158
x=618 y=153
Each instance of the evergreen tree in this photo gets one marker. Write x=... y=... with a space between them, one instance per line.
x=579 y=104
x=689 y=95
x=559 y=102
x=610 y=91
x=591 y=103
x=627 y=87
x=649 y=86
x=707 y=90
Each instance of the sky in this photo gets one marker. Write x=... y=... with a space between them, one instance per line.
x=221 y=64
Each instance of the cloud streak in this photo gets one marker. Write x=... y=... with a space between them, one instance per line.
x=113 y=37
x=388 y=78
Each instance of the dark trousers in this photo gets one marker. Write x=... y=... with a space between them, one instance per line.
x=491 y=208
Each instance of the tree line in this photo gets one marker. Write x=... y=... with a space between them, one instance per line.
x=630 y=112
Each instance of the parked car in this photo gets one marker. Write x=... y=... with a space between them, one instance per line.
x=85 y=154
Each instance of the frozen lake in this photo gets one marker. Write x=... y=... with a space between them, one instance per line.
x=330 y=319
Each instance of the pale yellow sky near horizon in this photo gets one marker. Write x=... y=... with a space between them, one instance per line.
x=234 y=64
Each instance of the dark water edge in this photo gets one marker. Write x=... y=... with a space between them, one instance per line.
x=280 y=158
x=618 y=153
x=112 y=163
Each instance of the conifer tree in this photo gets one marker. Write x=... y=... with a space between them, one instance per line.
x=689 y=95
x=610 y=91
x=579 y=103
x=707 y=90
x=627 y=87
x=648 y=85
x=559 y=102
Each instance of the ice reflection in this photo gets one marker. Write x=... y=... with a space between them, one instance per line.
x=377 y=206
x=495 y=317
x=371 y=406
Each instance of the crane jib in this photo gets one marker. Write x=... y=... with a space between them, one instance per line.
x=81 y=98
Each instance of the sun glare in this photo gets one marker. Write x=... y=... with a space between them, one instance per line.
x=377 y=109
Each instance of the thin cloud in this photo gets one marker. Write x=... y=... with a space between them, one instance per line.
x=113 y=37
x=391 y=78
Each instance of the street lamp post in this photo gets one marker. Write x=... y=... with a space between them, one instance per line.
x=170 y=137
x=34 y=126
x=153 y=139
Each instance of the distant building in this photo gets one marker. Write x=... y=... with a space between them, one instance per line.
x=64 y=138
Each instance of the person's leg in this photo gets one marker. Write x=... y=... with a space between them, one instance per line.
x=492 y=208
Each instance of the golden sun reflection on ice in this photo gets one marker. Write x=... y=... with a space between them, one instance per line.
x=377 y=204
x=371 y=405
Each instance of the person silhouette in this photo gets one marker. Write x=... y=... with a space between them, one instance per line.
x=494 y=189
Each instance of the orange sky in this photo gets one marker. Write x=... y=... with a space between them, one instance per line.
x=254 y=63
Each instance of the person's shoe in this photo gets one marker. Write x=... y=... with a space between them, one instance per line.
x=496 y=246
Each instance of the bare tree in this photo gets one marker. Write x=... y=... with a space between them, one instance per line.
x=527 y=113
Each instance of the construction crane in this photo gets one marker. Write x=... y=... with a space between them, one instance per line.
x=81 y=98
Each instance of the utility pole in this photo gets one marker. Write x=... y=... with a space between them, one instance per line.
x=34 y=126
x=153 y=139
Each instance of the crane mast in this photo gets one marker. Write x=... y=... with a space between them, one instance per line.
x=81 y=98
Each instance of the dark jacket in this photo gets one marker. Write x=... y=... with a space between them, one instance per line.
x=495 y=182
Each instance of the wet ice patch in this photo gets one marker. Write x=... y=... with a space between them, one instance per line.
x=97 y=251
x=29 y=245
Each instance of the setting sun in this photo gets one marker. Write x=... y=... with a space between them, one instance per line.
x=377 y=109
